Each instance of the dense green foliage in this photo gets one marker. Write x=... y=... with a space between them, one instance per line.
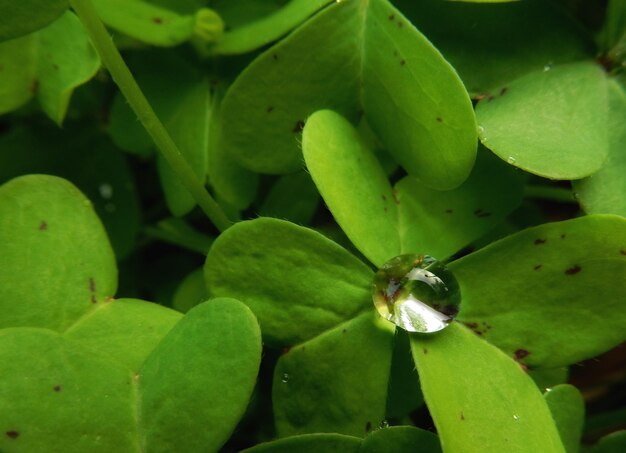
x=248 y=165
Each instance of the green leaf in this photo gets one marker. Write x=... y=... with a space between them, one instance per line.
x=613 y=443
x=18 y=18
x=613 y=34
x=125 y=330
x=336 y=382
x=266 y=29
x=88 y=159
x=191 y=292
x=297 y=282
x=39 y=286
x=481 y=400
x=211 y=358
x=442 y=223
x=400 y=439
x=57 y=397
x=384 y=222
x=490 y=45
x=604 y=192
x=310 y=443
x=546 y=378
x=159 y=26
x=369 y=59
x=565 y=136
x=50 y=64
x=353 y=185
x=293 y=197
x=178 y=232
x=549 y=295
x=568 y=411
x=180 y=97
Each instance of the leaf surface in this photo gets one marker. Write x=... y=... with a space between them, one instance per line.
x=194 y=387
x=296 y=281
x=335 y=382
x=19 y=18
x=480 y=399
x=40 y=287
x=568 y=411
x=400 y=439
x=551 y=295
x=552 y=123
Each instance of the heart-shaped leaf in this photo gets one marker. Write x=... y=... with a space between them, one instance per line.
x=57 y=397
x=568 y=411
x=18 y=18
x=211 y=358
x=40 y=287
x=604 y=192
x=368 y=58
x=314 y=390
x=297 y=282
x=552 y=122
x=490 y=45
x=551 y=295
x=480 y=399
x=411 y=218
x=48 y=64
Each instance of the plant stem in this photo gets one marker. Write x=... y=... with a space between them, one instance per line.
x=558 y=194
x=128 y=86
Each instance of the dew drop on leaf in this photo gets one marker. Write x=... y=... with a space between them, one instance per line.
x=511 y=160
x=417 y=293
x=285 y=378
x=384 y=424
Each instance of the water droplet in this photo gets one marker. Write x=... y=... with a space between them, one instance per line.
x=106 y=191
x=417 y=293
x=511 y=160
x=384 y=424
x=515 y=417
x=285 y=378
x=547 y=67
x=481 y=130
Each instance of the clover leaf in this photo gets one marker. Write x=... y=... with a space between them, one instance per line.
x=87 y=372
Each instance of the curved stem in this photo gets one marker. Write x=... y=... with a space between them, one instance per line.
x=128 y=86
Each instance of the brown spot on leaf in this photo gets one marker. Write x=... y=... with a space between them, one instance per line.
x=402 y=62
x=392 y=17
x=439 y=119
x=490 y=98
x=394 y=192
x=13 y=434
x=93 y=299
x=384 y=197
x=344 y=331
x=573 y=270
x=462 y=416
x=521 y=354
x=537 y=267
x=270 y=109
x=275 y=57
x=540 y=241
x=368 y=427
x=480 y=213
x=34 y=86
x=92 y=285
x=298 y=127
x=425 y=351
x=57 y=388
x=157 y=20
x=449 y=211
x=503 y=91
x=400 y=24
x=563 y=236
x=622 y=252
x=43 y=226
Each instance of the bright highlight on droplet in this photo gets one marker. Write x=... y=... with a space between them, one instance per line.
x=417 y=293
